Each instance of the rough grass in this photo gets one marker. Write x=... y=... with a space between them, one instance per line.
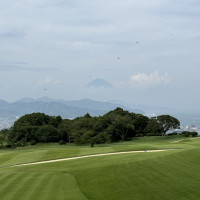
x=161 y=175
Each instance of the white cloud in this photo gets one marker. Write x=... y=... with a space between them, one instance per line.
x=49 y=81
x=152 y=79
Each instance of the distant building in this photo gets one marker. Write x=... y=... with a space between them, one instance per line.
x=179 y=131
x=191 y=128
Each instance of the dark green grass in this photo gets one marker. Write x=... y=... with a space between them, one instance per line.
x=142 y=176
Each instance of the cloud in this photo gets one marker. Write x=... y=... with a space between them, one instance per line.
x=14 y=67
x=13 y=34
x=22 y=66
x=49 y=81
x=152 y=79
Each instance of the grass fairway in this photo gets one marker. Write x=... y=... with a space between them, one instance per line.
x=160 y=175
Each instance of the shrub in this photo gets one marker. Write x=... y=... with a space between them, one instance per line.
x=139 y=135
x=92 y=144
x=171 y=134
x=33 y=142
x=186 y=133
x=61 y=142
x=10 y=145
x=21 y=143
x=102 y=137
x=1 y=144
x=194 y=134
x=83 y=137
x=153 y=134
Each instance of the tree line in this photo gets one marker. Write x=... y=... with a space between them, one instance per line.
x=115 y=125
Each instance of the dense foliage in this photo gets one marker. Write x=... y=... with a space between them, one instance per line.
x=167 y=122
x=116 y=125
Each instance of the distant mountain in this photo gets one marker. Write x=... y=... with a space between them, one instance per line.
x=148 y=109
x=98 y=83
x=85 y=104
x=10 y=112
x=3 y=103
x=26 y=100
x=50 y=108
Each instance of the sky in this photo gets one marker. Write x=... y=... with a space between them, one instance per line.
x=146 y=51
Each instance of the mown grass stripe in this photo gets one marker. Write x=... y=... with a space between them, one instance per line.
x=21 y=187
x=30 y=188
x=76 y=190
x=62 y=186
x=23 y=157
x=54 y=188
x=4 y=177
x=38 y=191
x=10 y=185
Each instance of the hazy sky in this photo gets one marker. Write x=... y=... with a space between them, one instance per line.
x=149 y=50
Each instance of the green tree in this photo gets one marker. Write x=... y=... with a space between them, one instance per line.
x=55 y=121
x=34 y=119
x=29 y=128
x=101 y=137
x=47 y=133
x=4 y=134
x=168 y=122
x=121 y=126
x=140 y=122
x=153 y=127
x=64 y=130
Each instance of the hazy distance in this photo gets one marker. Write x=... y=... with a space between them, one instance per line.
x=140 y=52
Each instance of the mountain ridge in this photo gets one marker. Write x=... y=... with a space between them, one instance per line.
x=10 y=112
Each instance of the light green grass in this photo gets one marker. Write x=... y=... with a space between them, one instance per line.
x=144 y=176
x=42 y=152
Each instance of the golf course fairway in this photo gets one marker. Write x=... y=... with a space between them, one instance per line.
x=170 y=174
